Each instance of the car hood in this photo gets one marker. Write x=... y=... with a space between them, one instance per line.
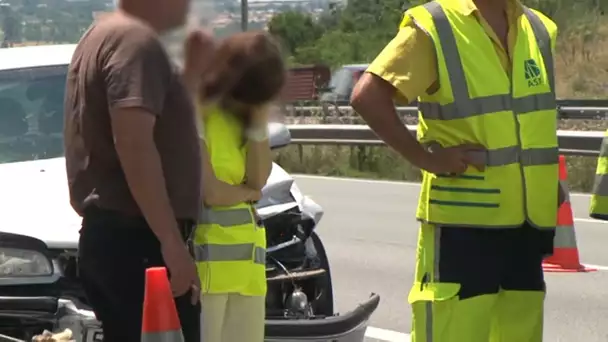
x=35 y=202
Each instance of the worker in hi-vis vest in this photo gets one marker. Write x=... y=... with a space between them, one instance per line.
x=482 y=72
x=599 y=198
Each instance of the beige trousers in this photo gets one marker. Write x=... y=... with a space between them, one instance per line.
x=232 y=318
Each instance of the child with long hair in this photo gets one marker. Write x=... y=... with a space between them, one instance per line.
x=233 y=95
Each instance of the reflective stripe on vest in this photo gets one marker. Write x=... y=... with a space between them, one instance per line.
x=238 y=252
x=514 y=154
x=226 y=218
x=599 y=198
x=483 y=105
x=453 y=115
x=464 y=106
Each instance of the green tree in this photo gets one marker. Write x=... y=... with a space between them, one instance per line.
x=33 y=32
x=350 y=34
x=294 y=28
x=357 y=32
x=11 y=26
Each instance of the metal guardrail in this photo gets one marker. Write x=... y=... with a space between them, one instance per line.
x=578 y=143
x=565 y=111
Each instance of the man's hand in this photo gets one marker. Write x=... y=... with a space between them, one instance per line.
x=184 y=276
x=455 y=160
x=198 y=52
x=254 y=195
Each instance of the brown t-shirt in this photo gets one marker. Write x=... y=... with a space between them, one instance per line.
x=120 y=63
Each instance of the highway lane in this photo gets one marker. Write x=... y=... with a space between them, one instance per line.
x=370 y=234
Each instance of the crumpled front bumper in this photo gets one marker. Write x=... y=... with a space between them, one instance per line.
x=73 y=315
x=349 y=327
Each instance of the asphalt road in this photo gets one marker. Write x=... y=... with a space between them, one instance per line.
x=370 y=234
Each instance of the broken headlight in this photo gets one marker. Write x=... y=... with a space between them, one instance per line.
x=16 y=263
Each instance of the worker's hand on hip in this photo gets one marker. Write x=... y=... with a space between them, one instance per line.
x=455 y=160
x=182 y=269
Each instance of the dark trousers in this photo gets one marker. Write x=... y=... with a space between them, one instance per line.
x=484 y=261
x=114 y=252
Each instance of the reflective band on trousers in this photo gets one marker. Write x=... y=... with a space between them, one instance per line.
x=464 y=106
x=163 y=336
x=600 y=187
x=226 y=218
x=604 y=149
x=237 y=252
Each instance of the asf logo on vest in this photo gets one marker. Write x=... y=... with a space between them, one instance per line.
x=532 y=73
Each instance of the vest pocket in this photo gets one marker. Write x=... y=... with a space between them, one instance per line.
x=461 y=192
x=468 y=199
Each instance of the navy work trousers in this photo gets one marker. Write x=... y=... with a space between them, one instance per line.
x=114 y=252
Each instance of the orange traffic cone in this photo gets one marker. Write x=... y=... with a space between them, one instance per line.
x=565 y=252
x=160 y=321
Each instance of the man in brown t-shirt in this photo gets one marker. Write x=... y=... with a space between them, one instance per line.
x=133 y=165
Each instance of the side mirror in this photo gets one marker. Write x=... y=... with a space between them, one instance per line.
x=279 y=135
x=24 y=260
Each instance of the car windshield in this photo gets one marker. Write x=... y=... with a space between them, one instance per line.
x=31 y=113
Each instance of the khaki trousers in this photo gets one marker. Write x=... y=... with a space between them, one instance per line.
x=232 y=318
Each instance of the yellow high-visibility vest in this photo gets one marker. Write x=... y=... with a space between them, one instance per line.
x=514 y=118
x=599 y=199
x=230 y=243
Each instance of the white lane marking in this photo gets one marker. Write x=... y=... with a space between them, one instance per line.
x=579 y=194
x=599 y=267
x=382 y=181
x=387 y=335
x=589 y=220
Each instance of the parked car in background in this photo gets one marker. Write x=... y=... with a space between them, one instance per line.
x=341 y=84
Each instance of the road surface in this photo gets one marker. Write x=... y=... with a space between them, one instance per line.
x=370 y=235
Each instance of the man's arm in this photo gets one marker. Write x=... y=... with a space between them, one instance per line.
x=133 y=138
x=373 y=99
x=137 y=75
x=404 y=69
x=199 y=48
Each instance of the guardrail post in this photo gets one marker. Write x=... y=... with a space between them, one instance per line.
x=301 y=153
x=351 y=156
x=361 y=156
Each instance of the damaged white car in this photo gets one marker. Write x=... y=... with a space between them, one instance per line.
x=39 y=285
